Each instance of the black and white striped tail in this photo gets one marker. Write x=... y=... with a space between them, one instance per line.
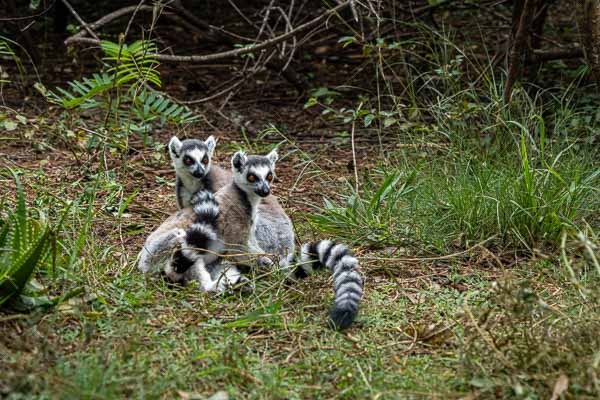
x=201 y=238
x=348 y=282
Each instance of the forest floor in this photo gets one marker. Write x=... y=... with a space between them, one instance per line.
x=476 y=287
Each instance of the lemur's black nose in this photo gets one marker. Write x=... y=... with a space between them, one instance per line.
x=198 y=173
x=263 y=191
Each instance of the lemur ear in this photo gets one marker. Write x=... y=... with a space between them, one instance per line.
x=238 y=160
x=273 y=156
x=211 y=143
x=174 y=147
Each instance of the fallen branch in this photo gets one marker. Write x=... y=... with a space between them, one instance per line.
x=556 y=54
x=80 y=37
x=105 y=20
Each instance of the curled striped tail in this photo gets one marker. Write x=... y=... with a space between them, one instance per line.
x=348 y=282
x=201 y=237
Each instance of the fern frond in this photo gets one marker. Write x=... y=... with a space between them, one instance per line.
x=134 y=62
x=155 y=103
x=82 y=91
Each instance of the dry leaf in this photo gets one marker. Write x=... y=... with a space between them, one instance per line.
x=561 y=385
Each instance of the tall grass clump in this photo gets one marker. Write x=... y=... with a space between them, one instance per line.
x=522 y=201
x=368 y=216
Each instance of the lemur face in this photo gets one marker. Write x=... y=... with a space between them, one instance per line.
x=254 y=174
x=192 y=156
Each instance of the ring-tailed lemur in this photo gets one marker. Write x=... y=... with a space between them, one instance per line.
x=273 y=230
x=348 y=281
x=219 y=225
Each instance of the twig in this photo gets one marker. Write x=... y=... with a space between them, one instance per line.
x=80 y=20
x=106 y=19
x=79 y=37
x=187 y=16
x=446 y=257
x=485 y=337
x=218 y=94
x=241 y=14
x=255 y=48
x=41 y=13
x=31 y=47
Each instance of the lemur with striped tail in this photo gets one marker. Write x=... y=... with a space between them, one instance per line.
x=216 y=228
x=192 y=159
x=273 y=229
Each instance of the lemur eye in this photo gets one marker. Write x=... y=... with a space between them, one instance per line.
x=187 y=160
x=251 y=178
x=270 y=177
x=205 y=160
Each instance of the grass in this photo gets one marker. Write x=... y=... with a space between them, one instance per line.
x=156 y=340
x=524 y=197
x=531 y=339
x=132 y=336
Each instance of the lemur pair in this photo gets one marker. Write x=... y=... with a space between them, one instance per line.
x=224 y=215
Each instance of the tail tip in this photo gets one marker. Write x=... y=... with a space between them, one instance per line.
x=341 y=318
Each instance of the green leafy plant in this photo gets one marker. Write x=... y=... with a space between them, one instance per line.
x=7 y=51
x=25 y=244
x=124 y=89
x=325 y=98
x=367 y=215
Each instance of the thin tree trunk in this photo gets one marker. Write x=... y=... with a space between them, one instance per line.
x=519 y=46
x=590 y=31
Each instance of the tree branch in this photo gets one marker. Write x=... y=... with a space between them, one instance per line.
x=255 y=48
x=80 y=20
x=79 y=37
x=105 y=20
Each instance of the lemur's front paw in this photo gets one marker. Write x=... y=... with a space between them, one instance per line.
x=245 y=285
x=264 y=261
x=179 y=235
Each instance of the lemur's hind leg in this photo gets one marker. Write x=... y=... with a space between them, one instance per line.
x=254 y=248
x=217 y=278
x=200 y=273
x=157 y=248
x=230 y=277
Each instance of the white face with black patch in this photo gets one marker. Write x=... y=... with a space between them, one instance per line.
x=254 y=174
x=192 y=156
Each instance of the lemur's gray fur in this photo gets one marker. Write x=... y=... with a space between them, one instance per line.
x=195 y=171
